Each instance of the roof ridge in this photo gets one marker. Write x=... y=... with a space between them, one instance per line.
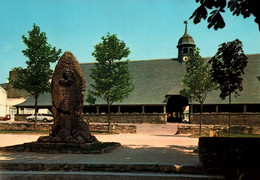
x=258 y=54
x=255 y=54
x=163 y=59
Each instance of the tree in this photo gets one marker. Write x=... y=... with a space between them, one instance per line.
x=112 y=78
x=246 y=8
x=35 y=78
x=228 y=66
x=197 y=81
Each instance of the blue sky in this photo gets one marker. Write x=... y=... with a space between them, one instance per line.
x=150 y=28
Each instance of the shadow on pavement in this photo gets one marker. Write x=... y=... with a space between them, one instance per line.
x=123 y=154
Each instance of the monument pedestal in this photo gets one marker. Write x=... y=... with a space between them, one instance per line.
x=55 y=148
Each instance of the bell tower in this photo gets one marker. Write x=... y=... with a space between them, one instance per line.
x=185 y=45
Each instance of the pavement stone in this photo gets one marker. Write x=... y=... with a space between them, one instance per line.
x=150 y=147
x=24 y=175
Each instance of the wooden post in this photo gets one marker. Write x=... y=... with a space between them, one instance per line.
x=191 y=108
x=143 y=109
x=244 y=108
x=164 y=109
x=216 y=108
x=97 y=109
x=165 y=113
x=17 y=110
x=119 y=109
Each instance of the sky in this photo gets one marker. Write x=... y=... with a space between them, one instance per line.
x=150 y=28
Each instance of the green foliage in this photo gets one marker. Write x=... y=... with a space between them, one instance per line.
x=197 y=81
x=35 y=78
x=112 y=78
x=246 y=8
x=228 y=66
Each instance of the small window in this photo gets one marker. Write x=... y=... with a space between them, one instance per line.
x=180 y=51
x=185 y=50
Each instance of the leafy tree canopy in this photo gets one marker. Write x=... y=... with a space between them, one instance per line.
x=112 y=78
x=246 y=8
x=35 y=78
x=228 y=66
x=197 y=81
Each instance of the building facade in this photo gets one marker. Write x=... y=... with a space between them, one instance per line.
x=3 y=102
x=156 y=98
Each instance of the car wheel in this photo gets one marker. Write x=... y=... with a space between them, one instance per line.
x=30 y=120
x=44 y=120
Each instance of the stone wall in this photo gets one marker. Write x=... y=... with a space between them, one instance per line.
x=94 y=127
x=22 y=117
x=194 y=129
x=133 y=118
x=24 y=126
x=138 y=118
x=246 y=119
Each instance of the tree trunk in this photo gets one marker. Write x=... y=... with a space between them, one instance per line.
x=36 y=111
x=201 y=107
x=229 y=117
x=108 y=117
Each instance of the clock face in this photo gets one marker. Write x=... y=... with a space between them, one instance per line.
x=185 y=58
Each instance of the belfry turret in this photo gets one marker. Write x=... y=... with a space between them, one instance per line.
x=185 y=45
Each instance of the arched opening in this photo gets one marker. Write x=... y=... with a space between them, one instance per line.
x=175 y=106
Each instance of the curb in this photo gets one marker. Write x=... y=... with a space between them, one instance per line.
x=109 y=167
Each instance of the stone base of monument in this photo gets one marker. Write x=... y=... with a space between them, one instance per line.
x=54 y=148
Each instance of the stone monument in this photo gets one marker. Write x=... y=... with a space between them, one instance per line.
x=70 y=134
x=67 y=91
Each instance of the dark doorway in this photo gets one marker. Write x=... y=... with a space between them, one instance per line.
x=175 y=107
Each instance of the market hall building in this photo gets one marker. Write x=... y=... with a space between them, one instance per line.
x=156 y=98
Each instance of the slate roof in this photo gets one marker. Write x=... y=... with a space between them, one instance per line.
x=152 y=80
x=155 y=79
x=251 y=86
x=44 y=100
x=3 y=85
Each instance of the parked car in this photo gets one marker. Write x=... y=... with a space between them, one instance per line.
x=40 y=117
x=6 y=118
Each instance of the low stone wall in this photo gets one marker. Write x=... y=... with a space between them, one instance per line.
x=247 y=119
x=24 y=126
x=22 y=117
x=194 y=129
x=138 y=118
x=115 y=128
x=151 y=118
x=94 y=127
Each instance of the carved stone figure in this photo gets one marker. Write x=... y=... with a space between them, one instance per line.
x=67 y=91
